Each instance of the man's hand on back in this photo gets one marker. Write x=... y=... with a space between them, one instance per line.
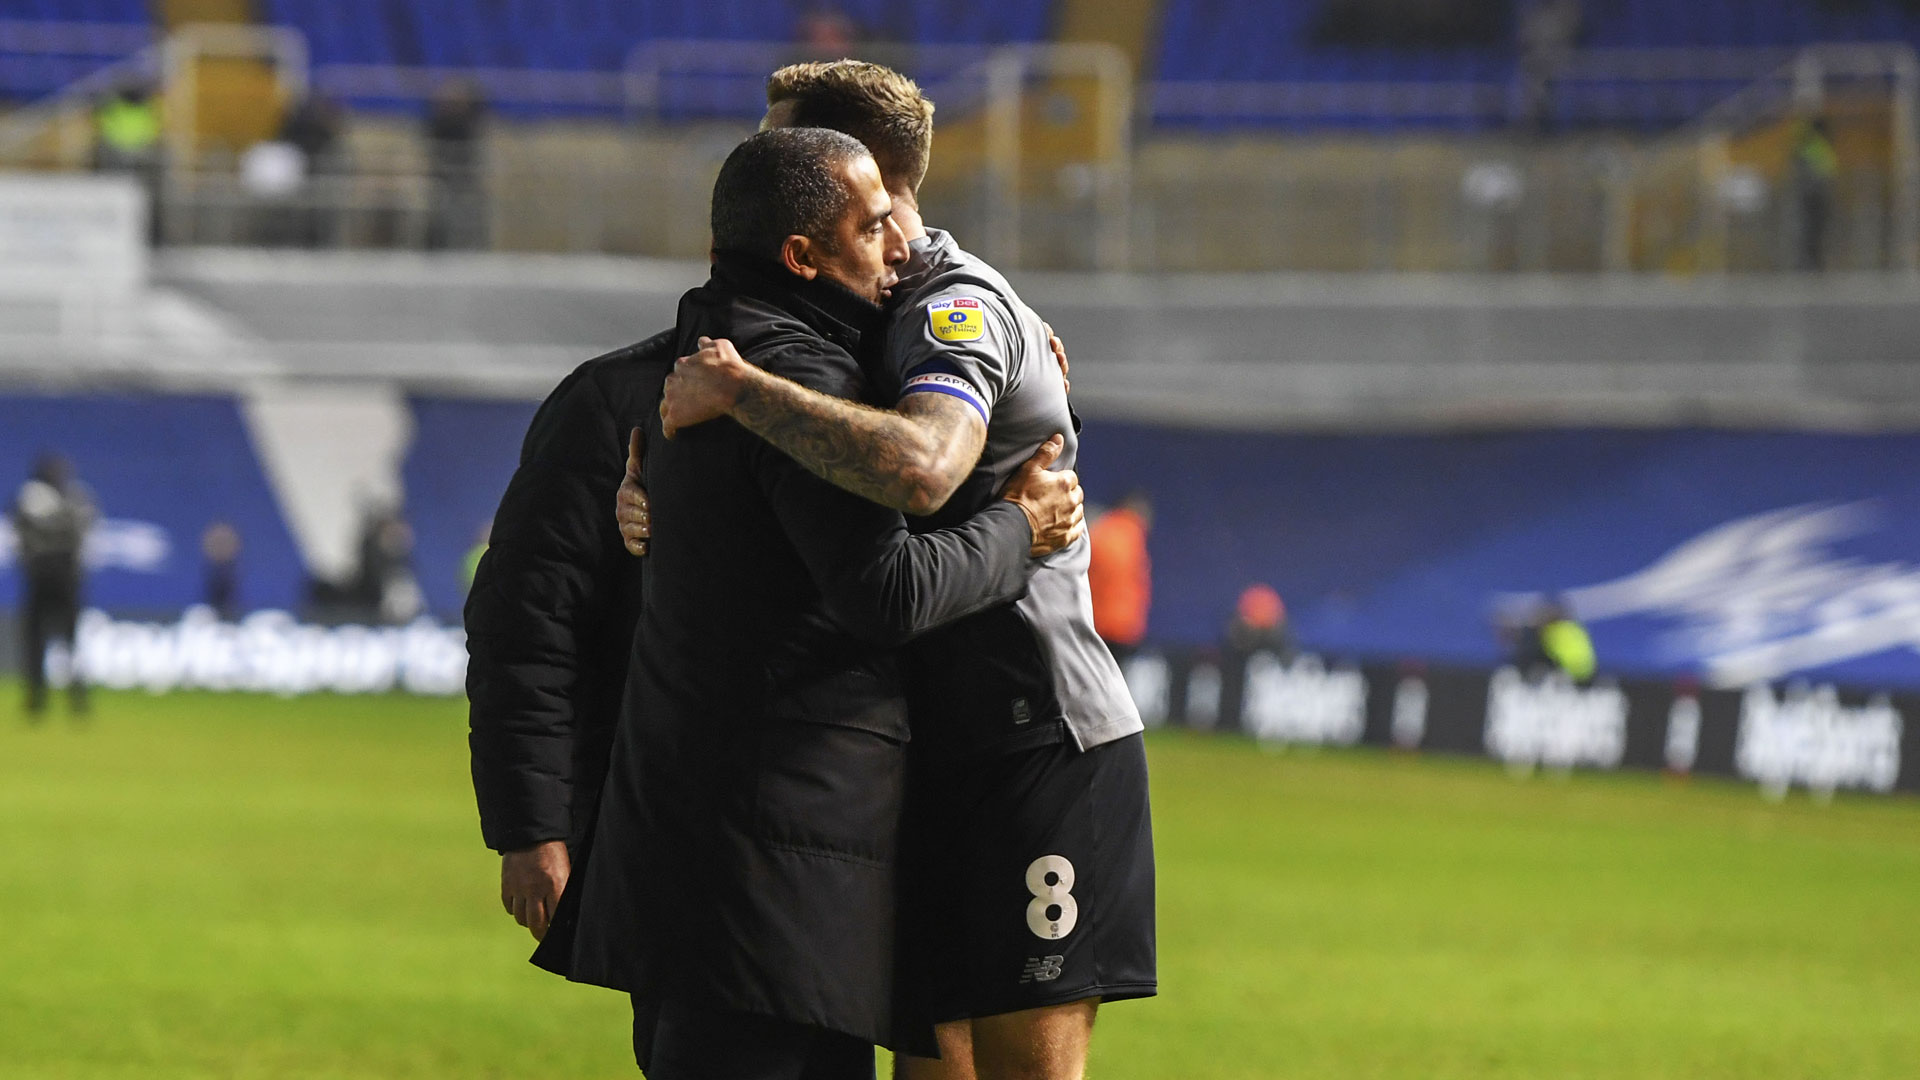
x=1053 y=501
x=1059 y=356
x=531 y=881
x=704 y=386
x=630 y=507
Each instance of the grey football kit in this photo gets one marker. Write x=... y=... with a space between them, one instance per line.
x=1029 y=865
x=962 y=331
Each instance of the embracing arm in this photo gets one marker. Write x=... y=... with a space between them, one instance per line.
x=886 y=585
x=882 y=583
x=911 y=460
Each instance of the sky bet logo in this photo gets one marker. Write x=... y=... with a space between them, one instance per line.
x=958 y=319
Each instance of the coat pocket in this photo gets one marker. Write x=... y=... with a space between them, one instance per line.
x=830 y=789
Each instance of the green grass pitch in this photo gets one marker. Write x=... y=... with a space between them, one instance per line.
x=200 y=886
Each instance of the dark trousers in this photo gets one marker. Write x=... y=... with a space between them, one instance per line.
x=1231 y=717
x=52 y=610
x=679 y=1042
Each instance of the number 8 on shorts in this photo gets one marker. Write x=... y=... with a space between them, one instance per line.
x=1053 y=911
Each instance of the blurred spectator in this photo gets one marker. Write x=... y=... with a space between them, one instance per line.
x=1120 y=574
x=126 y=130
x=51 y=517
x=314 y=127
x=220 y=547
x=1552 y=640
x=126 y=139
x=455 y=123
x=1259 y=626
x=1816 y=170
x=387 y=589
x=1549 y=31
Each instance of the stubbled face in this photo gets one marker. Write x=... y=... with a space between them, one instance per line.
x=867 y=246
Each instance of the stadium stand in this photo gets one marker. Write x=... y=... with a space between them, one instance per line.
x=1102 y=149
x=1266 y=42
x=597 y=35
x=104 y=11
x=48 y=44
x=1748 y=23
x=1261 y=40
x=1220 y=40
x=1199 y=43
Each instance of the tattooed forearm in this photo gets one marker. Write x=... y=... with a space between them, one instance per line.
x=912 y=460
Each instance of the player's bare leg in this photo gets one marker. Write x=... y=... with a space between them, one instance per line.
x=1035 y=1044
x=956 y=1056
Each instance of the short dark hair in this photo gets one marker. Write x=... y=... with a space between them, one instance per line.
x=782 y=183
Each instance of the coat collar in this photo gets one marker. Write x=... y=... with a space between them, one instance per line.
x=837 y=313
x=930 y=253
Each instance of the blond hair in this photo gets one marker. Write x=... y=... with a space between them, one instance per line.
x=877 y=105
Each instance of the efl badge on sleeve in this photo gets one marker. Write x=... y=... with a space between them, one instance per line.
x=958 y=319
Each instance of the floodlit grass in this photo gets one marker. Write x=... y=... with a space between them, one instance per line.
x=201 y=886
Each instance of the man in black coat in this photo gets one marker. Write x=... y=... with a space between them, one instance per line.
x=550 y=622
x=742 y=886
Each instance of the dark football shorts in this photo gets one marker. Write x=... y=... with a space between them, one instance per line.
x=1027 y=880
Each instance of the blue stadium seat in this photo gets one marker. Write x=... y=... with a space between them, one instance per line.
x=599 y=35
x=1201 y=41
x=1270 y=41
x=30 y=73
x=107 y=11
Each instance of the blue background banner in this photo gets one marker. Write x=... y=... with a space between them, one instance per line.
x=462 y=456
x=162 y=469
x=1729 y=556
x=1803 y=548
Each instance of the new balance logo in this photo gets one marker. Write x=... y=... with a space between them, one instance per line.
x=1041 y=969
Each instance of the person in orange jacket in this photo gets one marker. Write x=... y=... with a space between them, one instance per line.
x=1121 y=574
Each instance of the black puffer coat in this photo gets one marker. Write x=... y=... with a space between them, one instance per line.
x=550 y=617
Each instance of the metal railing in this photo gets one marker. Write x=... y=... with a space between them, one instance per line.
x=589 y=92
x=1644 y=89
x=1698 y=165
x=1046 y=160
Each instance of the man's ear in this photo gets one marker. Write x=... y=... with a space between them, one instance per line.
x=779 y=115
x=797 y=255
